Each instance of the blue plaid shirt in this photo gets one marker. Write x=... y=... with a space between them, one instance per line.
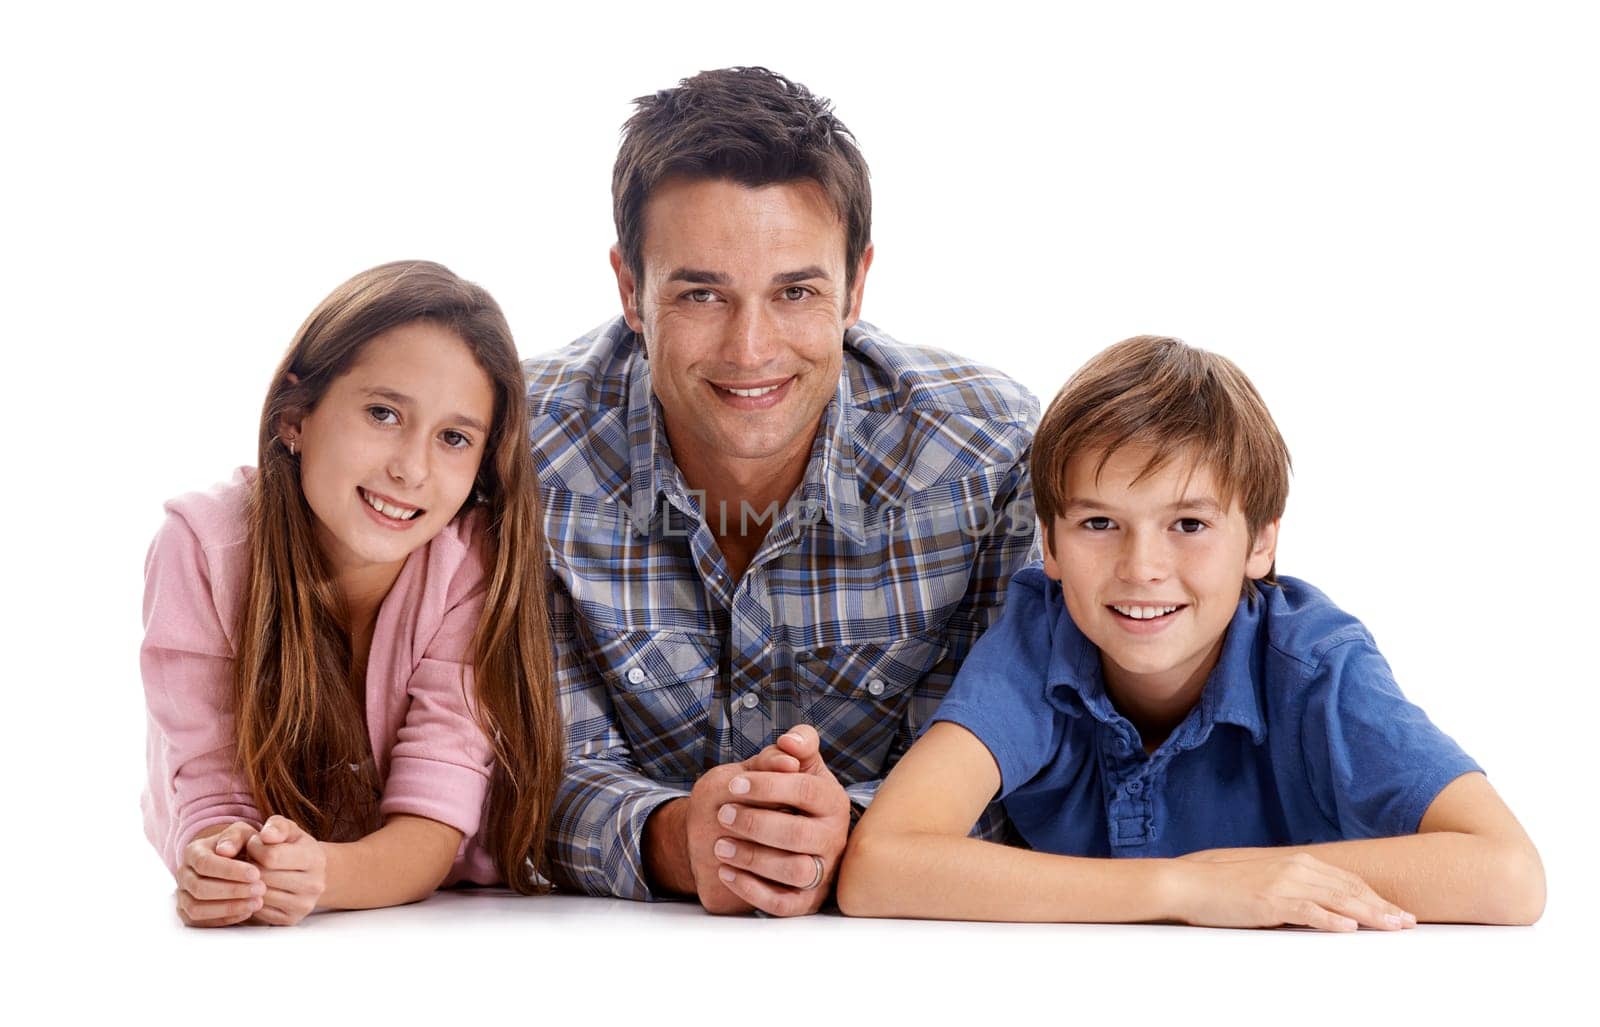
x=869 y=589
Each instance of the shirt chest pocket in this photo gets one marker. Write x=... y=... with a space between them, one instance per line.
x=857 y=695
x=661 y=685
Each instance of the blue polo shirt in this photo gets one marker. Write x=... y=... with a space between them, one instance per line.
x=1300 y=736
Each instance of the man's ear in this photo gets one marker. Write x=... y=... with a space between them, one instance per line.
x=1263 y=552
x=627 y=290
x=858 y=288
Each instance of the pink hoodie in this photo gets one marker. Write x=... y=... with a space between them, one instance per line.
x=432 y=757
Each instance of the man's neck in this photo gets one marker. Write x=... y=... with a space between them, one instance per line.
x=743 y=498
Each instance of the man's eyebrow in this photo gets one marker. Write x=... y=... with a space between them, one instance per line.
x=698 y=276
x=804 y=274
x=400 y=399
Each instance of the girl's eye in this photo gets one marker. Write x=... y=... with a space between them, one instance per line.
x=1190 y=525
x=383 y=415
x=796 y=293
x=1098 y=524
x=454 y=439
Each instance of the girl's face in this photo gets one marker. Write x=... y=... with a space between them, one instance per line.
x=392 y=450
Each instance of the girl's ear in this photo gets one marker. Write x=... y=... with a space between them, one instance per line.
x=288 y=426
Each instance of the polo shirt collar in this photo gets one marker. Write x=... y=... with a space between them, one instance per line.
x=1074 y=680
x=830 y=478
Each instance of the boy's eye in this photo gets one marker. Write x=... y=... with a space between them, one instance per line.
x=1190 y=525
x=383 y=415
x=1098 y=524
x=454 y=439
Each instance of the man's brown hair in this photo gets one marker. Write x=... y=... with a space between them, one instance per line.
x=1178 y=401
x=751 y=126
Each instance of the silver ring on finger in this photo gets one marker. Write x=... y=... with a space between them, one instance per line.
x=818 y=879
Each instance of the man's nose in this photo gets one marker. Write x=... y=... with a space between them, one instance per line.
x=750 y=339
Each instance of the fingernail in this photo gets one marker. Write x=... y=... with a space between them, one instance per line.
x=256 y=903
x=1411 y=920
x=257 y=890
x=1393 y=922
x=724 y=849
x=726 y=875
x=739 y=785
x=726 y=814
x=798 y=739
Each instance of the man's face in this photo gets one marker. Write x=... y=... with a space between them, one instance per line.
x=1151 y=570
x=743 y=309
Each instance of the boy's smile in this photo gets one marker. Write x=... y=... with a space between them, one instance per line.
x=1151 y=569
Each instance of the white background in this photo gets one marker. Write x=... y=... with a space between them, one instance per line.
x=1386 y=213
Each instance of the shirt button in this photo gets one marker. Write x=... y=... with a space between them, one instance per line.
x=749 y=701
x=1135 y=787
x=875 y=686
x=635 y=676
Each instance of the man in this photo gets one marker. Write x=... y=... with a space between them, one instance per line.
x=775 y=532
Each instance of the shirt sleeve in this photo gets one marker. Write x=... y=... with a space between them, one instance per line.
x=186 y=662
x=1008 y=546
x=999 y=695
x=441 y=761
x=597 y=833
x=1375 y=762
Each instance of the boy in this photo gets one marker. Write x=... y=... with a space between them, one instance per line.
x=1155 y=692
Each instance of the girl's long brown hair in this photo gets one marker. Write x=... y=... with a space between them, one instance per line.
x=299 y=717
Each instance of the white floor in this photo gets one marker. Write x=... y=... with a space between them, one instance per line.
x=586 y=960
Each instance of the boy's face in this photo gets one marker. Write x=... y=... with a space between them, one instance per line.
x=1151 y=571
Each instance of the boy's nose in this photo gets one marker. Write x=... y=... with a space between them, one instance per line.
x=1143 y=558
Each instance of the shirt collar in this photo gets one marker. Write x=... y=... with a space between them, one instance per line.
x=830 y=478
x=1230 y=696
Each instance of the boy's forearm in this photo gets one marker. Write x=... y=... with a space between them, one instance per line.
x=1438 y=876
x=947 y=877
x=403 y=861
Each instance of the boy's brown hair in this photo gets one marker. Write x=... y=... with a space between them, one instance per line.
x=1180 y=402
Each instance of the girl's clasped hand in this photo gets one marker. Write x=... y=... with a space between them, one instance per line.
x=272 y=876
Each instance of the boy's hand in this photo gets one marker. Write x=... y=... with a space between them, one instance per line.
x=215 y=889
x=1220 y=889
x=294 y=869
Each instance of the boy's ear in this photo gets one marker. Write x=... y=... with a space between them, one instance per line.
x=1263 y=553
x=1052 y=570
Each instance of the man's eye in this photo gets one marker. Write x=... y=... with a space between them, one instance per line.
x=1190 y=525
x=796 y=293
x=454 y=439
x=1098 y=524
x=700 y=296
x=383 y=415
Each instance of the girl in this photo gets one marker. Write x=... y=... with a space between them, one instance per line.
x=346 y=660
